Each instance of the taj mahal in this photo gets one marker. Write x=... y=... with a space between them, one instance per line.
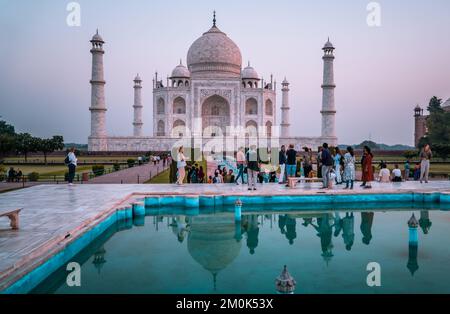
x=211 y=98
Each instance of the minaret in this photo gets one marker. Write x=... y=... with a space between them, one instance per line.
x=328 y=107
x=137 y=123
x=420 y=124
x=98 y=105
x=285 y=109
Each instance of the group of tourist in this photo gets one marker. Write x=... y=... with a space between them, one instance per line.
x=333 y=167
x=14 y=175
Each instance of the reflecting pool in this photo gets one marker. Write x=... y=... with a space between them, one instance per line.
x=326 y=251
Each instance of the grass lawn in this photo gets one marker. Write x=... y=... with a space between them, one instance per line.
x=162 y=178
x=60 y=159
x=49 y=170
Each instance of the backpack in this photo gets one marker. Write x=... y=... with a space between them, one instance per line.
x=67 y=160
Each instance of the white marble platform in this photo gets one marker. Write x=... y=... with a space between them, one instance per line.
x=50 y=212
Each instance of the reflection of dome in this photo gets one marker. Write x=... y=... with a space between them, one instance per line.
x=212 y=243
x=180 y=72
x=214 y=53
x=250 y=73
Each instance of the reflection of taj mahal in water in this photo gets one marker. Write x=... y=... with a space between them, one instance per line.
x=210 y=98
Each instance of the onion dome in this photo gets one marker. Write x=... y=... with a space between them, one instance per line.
x=249 y=73
x=97 y=38
x=214 y=54
x=328 y=45
x=180 y=71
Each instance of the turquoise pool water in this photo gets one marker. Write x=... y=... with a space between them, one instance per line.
x=326 y=251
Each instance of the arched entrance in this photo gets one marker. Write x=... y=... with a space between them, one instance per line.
x=215 y=116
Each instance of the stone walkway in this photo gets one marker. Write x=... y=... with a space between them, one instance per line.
x=53 y=212
x=135 y=175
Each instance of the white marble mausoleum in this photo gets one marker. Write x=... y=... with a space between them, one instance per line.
x=211 y=99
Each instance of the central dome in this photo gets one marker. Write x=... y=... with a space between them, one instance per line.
x=214 y=55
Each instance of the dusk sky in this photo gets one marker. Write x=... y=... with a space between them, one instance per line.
x=381 y=73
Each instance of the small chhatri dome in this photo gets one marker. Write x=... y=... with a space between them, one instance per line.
x=285 y=283
x=97 y=37
x=250 y=73
x=412 y=222
x=285 y=82
x=214 y=55
x=328 y=44
x=180 y=71
x=137 y=78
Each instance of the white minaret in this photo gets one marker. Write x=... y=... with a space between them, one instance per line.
x=285 y=109
x=137 y=123
x=98 y=105
x=328 y=107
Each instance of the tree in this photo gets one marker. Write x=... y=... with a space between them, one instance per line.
x=25 y=144
x=6 y=129
x=49 y=145
x=7 y=144
x=441 y=150
x=372 y=145
x=435 y=105
x=438 y=123
x=410 y=154
x=7 y=139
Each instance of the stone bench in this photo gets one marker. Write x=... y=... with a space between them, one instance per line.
x=293 y=181
x=13 y=216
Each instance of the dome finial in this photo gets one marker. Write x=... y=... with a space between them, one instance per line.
x=181 y=62
x=214 y=18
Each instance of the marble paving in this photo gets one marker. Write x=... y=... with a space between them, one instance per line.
x=50 y=212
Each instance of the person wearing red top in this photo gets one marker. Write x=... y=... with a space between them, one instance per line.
x=367 y=169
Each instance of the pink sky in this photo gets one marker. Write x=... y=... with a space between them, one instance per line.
x=381 y=72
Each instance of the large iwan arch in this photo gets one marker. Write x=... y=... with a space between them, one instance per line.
x=215 y=115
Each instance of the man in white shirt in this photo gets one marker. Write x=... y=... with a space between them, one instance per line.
x=72 y=164
x=397 y=174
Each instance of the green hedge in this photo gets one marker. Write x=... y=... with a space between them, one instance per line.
x=33 y=177
x=98 y=170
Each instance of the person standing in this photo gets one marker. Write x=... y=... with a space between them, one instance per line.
x=307 y=161
x=282 y=158
x=337 y=165
x=181 y=165
x=327 y=165
x=201 y=175
x=72 y=164
x=291 y=161
x=367 y=168
x=425 y=157
x=240 y=162
x=252 y=167
x=407 y=169
x=349 y=168
x=319 y=163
